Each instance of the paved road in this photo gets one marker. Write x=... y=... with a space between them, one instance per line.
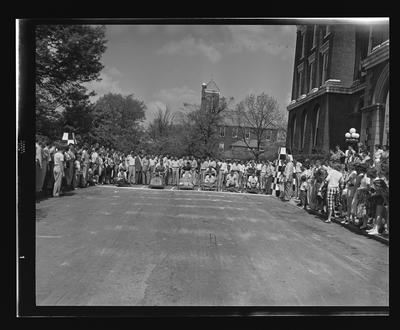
x=132 y=246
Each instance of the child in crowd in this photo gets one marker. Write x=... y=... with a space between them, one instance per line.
x=78 y=173
x=303 y=192
x=90 y=178
x=379 y=196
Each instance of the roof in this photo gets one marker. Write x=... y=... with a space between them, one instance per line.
x=226 y=121
x=231 y=120
x=212 y=86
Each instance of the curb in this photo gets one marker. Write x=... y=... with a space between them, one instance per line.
x=380 y=238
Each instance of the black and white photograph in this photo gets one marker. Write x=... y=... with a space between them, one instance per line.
x=200 y=163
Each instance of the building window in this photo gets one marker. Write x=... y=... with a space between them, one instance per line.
x=314 y=43
x=311 y=72
x=293 y=132
x=247 y=134
x=221 y=146
x=222 y=131
x=268 y=135
x=234 y=132
x=316 y=126
x=311 y=76
x=324 y=59
x=303 y=44
x=300 y=80
x=303 y=136
x=324 y=67
x=300 y=85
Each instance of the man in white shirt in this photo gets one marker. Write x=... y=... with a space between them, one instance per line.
x=193 y=164
x=152 y=165
x=85 y=164
x=38 y=167
x=297 y=176
x=288 y=179
x=221 y=173
x=175 y=170
x=334 y=179
x=95 y=155
x=130 y=160
x=203 y=168
x=234 y=167
x=263 y=172
x=58 y=171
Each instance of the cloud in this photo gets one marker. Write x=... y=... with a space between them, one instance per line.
x=109 y=83
x=274 y=40
x=213 y=41
x=115 y=72
x=196 y=30
x=145 y=29
x=106 y=85
x=173 y=29
x=173 y=98
x=178 y=95
x=191 y=46
x=115 y=30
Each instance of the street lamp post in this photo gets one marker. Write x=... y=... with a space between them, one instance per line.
x=352 y=137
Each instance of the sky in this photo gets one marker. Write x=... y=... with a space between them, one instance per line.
x=165 y=65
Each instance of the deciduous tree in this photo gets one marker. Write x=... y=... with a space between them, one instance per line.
x=116 y=121
x=66 y=57
x=257 y=113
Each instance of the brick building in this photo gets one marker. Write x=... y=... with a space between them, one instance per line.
x=231 y=144
x=230 y=135
x=340 y=81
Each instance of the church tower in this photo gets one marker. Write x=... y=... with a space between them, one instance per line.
x=210 y=94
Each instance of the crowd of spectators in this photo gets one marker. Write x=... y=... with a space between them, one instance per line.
x=349 y=185
x=60 y=168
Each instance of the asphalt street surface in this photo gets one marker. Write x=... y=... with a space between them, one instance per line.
x=141 y=247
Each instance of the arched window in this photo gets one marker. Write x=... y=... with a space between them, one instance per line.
x=303 y=135
x=385 y=140
x=316 y=126
x=293 y=131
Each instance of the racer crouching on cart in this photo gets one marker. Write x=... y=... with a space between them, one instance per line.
x=158 y=179
x=187 y=178
x=232 y=183
x=252 y=183
x=210 y=175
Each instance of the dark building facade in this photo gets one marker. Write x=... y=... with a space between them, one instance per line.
x=340 y=81
x=231 y=137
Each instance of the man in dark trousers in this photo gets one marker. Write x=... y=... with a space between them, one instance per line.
x=138 y=169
